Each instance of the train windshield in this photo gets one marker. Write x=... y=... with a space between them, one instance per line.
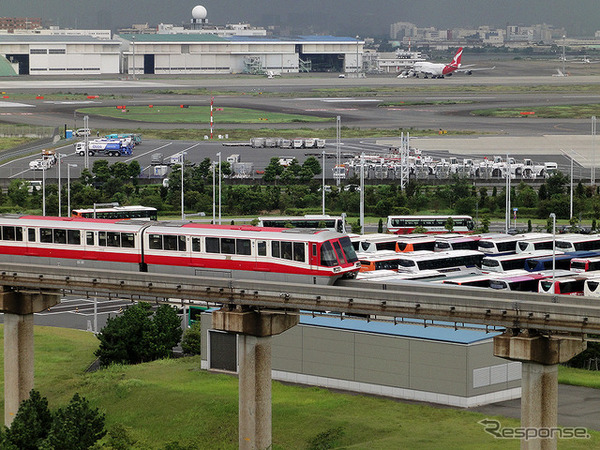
x=348 y=249
x=328 y=257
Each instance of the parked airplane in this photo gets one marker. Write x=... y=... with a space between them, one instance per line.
x=272 y=73
x=439 y=70
x=586 y=60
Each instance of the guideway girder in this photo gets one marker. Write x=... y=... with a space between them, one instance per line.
x=254 y=350
x=18 y=308
x=540 y=356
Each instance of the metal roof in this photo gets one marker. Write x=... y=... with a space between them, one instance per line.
x=52 y=39
x=181 y=37
x=415 y=330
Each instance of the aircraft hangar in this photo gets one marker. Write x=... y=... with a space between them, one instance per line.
x=176 y=54
x=212 y=54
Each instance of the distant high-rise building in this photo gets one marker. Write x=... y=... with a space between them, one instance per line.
x=400 y=30
x=20 y=23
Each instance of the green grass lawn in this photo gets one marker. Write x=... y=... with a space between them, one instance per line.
x=200 y=114
x=174 y=401
x=544 y=112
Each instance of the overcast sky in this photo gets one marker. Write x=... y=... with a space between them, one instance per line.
x=338 y=17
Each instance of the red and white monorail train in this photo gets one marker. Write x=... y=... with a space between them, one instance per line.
x=184 y=248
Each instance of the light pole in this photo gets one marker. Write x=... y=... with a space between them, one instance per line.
x=69 y=188
x=553 y=217
x=86 y=127
x=571 y=204
x=593 y=177
x=220 y=177
x=362 y=193
x=182 y=167
x=214 y=191
x=43 y=191
x=338 y=132
x=323 y=187
x=59 y=187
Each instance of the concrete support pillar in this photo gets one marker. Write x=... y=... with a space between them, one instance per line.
x=539 y=402
x=254 y=392
x=18 y=362
x=540 y=356
x=18 y=308
x=254 y=352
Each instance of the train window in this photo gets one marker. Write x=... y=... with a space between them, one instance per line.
x=195 y=244
x=228 y=246
x=8 y=233
x=102 y=238
x=349 y=252
x=127 y=240
x=60 y=236
x=170 y=242
x=262 y=248
x=113 y=239
x=31 y=234
x=73 y=237
x=286 y=250
x=299 y=253
x=340 y=253
x=242 y=247
x=275 y=249
x=213 y=245
x=181 y=244
x=155 y=241
x=46 y=235
x=328 y=255
x=89 y=237
x=314 y=249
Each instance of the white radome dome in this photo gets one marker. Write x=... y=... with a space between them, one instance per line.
x=199 y=12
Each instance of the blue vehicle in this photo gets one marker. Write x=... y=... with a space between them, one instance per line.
x=135 y=137
x=562 y=261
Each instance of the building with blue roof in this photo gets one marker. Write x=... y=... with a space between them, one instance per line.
x=405 y=360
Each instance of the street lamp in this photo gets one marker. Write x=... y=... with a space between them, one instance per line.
x=357 y=66
x=86 y=127
x=43 y=191
x=59 y=186
x=214 y=191
x=593 y=176
x=220 y=178
x=362 y=193
x=323 y=187
x=553 y=217
x=69 y=188
x=182 y=167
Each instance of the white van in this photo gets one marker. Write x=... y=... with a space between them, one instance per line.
x=83 y=132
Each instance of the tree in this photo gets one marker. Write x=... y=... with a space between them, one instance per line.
x=135 y=337
x=31 y=424
x=192 y=339
x=449 y=224
x=18 y=193
x=313 y=165
x=77 y=426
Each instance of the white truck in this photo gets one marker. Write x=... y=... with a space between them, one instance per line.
x=107 y=147
x=47 y=160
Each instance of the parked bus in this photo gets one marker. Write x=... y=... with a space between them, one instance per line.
x=391 y=276
x=453 y=261
x=369 y=243
x=506 y=244
x=591 y=287
x=482 y=280
x=563 y=285
x=585 y=264
x=332 y=223
x=578 y=242
x=415 y=243
x=444 y=244
x=531 y=245
x=503 y=263
x=522 y=283
x=117 y=212
x=562 y=261
x=382 y=260
x=432 y=224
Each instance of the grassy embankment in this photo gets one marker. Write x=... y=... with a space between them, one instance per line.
x=543 y=112
x=173 y=400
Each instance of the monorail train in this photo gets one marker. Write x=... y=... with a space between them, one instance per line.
x=184 y=248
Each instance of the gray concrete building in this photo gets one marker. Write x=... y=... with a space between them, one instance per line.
x=437 y=365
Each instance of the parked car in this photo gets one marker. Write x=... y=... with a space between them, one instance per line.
x=83 y=132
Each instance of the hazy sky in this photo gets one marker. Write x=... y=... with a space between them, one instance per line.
x=340 y=17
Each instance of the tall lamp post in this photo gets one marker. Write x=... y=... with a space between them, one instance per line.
x=357 y=65
x=220 y=178
x=214 y=191
x=593 y=176
x=182 y=167
x=59 y=187
x=69 y=188
x=323 y=187
x=43 y=191
x=553 y=217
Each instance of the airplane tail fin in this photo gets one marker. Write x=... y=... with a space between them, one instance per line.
x=456 y=60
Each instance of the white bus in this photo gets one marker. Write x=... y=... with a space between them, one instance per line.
x=506 y=244
x=444 y=244
x=532 y=245
x=563 y=285
x=585 y=264
x=591 y=287
x=373 y=242
x=523 y=283
x=578 y=242
x=432 y=224
x=502 y=263
x=333 y=223
x=453 y=261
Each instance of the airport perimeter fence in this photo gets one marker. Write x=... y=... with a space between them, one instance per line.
x=28 y=131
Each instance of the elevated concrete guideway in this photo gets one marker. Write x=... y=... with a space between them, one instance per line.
x=542 y=330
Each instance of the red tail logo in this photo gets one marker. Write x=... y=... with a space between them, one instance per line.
x=455 y=64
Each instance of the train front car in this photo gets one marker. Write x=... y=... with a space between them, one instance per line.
x=271 y=254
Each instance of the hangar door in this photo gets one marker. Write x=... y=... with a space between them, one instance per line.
x=149 y=64
x=23 y=61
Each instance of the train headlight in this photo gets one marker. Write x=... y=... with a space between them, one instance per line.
x=337 y=269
